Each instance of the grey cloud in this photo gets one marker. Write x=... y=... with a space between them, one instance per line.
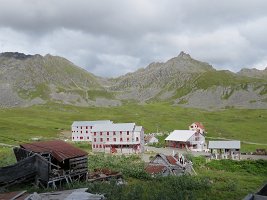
x=113 y=37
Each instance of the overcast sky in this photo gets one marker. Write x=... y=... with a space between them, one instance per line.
x=113 y=37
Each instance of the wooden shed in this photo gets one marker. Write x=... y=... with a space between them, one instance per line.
x=64 y=162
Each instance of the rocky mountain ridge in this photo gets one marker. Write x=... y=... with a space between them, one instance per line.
x=34 y=79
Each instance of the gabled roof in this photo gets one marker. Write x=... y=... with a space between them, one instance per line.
x=114 y=127
x=169 y=160
x=200 y=125
x=224 y=144
x=90 y=123
x=155 y=169
x=58 y=149
x=180 y=135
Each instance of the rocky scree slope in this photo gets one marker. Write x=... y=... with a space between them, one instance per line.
x=187 y=82
x=33 y=79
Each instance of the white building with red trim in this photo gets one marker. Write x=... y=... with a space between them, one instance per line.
x=125 y=138
x=81 y=130
x=197 y=126
x=186 y=139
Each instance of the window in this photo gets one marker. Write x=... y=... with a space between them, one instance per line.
x=77 y=126
x=101 y=139
x=72 y=137
x=127 y=132
x=86 y=127
x=120 y=132
x=88 y=138
x=94 y=133
x=100 y=146
x=86 y=131
x=81 y=127
x=137 y=139
x=107 y=139
x=121 y=139
x=107 y=133
x=100 y=133
x=81 y=138
x=81 y=131
x=114 y=133
x=114 y=139
x=91 y=127
x=93 y=146
x=128 y=139
x=94 y=139
x=96 y=146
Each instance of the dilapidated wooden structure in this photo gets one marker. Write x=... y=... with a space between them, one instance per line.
x=165 y=165
x=48 y=163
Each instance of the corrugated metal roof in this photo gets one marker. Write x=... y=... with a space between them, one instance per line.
x=180 y=135
x=90 y=123
x=224 y=144
x=58 y=148
x=172 y=160
x=155 y=169
x=114 y=127
x=138 y=128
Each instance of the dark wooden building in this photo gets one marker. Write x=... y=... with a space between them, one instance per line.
x=60 y=161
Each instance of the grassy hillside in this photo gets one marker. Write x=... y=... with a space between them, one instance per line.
x=48 y=121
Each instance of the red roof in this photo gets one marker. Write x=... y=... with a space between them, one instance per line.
x=155 y=169
x=171 y=160
x=200 y=125
x=58 y=148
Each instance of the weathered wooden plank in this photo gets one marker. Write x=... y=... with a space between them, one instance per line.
x=78 y=158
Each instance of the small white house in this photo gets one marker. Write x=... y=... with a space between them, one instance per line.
x=81 y=130
x=225 y=149
x=197 y=126
x=186 y=139
x=125 y=138
x=151 y=139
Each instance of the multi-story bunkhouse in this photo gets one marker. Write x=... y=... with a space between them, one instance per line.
x=186 y=139
x=125 y=138
x=81 y=130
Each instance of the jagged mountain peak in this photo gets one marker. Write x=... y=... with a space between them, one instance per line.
x=15 y=55
x=184 y=55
